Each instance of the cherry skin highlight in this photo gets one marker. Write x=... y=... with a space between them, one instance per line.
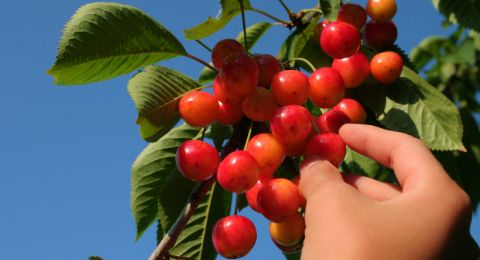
x=354 y=69
x=234 y=236
x=269 y=66
x=339 y=39
x=268 y=151
x=326 y=87
x=381 y=10
x=326 y=146
x=331 y=121
x=198 y=108
x=229 y=114
x=291 y=124
x=238 y=172
x=259 y=105
x=353 y=14
x=288 y=232
x=386 y=67
x=290 y=87
x=223 y=95
x=279 y=199
x=223 y=49
x=197 y=160
x=380 y=35
x=354 y=110
x=239 y=74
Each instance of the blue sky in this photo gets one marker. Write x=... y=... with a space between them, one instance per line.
x=66 y=152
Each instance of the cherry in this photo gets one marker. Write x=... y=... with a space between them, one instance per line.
x=386 y=67
x=288 y=232
x=238 y=172
x=229 y=114
x=381 y=10
x=331 y=121
x=252 y=194
x=223 y=49
x=296 y=248
x=268 y=151
x=239 y=74
x=234 y=236
x=354 y=69
x=198 y=108
x=326 y=87
x=197 y=160
x=339 y=39
x=318 y=30
x=291 y=124
x=290 y=87
x=279 y=199
x=259 y=105
x=303 y=201
x=352 y=109
x=222 y=94
x=380 y=35
x=269 y=66
x=353 y=14
x=326 y=146
x=295 y=149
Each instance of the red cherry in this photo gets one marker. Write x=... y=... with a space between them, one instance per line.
x=326 y=146
x=291 y=124
x=354 y=69
x=352 y=14
x=268 y=152
x=380 y=35
x=234 y=236
x=290 y=87
x=222 y=94
x=251 y=195
x=386 y=67
x=318 y=30
x=331 y=121
x=198 y=108
x=223 y=49
x=269 y=66
x=238 y=172
x=259 y=105
x=352 y=109
x=296 y=149
x=229 y=114
x=197 y=160
x=340 y=40
x=239 y=74
x=279 y=199
x=326 y=87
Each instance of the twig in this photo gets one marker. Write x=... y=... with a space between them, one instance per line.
x=202 y=62
x=204 y=45
x=244 y=26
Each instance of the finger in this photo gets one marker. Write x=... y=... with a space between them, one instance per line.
x=411 y=160
x=371 y=188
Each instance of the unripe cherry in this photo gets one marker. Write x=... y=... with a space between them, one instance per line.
x=269 y=66
x=326 y=87
x=290 y=87
x=380 y=35
x=353 y=14
x=353 y=69
x=239 y=74
x=279 y=199
x=288 y=232
x=386 y=67
x=238 y=172
x=197 y=160
x=326 y=146
x=198 y=108
x=352 y=109
x=291 y=124
x=223 y=49
x=340 y=40
x=259 y=105
x=267 y=151
x=381 y=10
x=331 y=121
x=234 y=236
x=223 y=95
x=229 y=114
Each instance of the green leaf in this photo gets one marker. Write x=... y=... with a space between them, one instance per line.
x=150 y=171
x=356 y=163
x=411 y=105
x=465 y=13
x=330 y=8
x=254 y=33
x=105 y=40
x=156 y=92
x=219 y=133
x=229 y=9
x=195 y=241
x=313 y=53
x=206 y=75
x=296 y=42
x=463 y=54
x=95 y=258
x=428 y=49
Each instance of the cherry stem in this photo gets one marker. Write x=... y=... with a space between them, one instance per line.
x=289 y=12
x=195 y=58
x=248 y=135
x=283 y=22
x=180 y=257
x=203 y=131
x=305 y=61
x=315 y=126
x=312 y=10
x=204 y=45
x=244 y=25
x=237 y=204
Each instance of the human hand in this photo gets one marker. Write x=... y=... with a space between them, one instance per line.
x=426 y=217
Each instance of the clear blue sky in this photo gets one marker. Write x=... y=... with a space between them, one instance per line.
x=66 y=152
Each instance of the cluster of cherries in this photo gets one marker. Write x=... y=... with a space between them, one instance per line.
x=257 y=88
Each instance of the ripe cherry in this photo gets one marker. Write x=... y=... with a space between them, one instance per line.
x=290 y=87
x=386 y=67
x=198 y=108
x=239 y=74
x=234 y=236
x=223 y=95
x=223 y=49
x=197 y=160
x=268 y=151
x=259 y=105
x=353 y=69
x=252 y=194
x=326 y=87
x=318 y=30
x=381 y=10
x=331 y=121
x=291 y=124
x=340 y=40
x=352 y=109
x=380 y=35
x=296 y=149
x=238 y=172
x=279 y=199
x=269 y=66
x=326 y=146
x=288 y=232
x=353 y=14
x=303 y=201
x=229 y=114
